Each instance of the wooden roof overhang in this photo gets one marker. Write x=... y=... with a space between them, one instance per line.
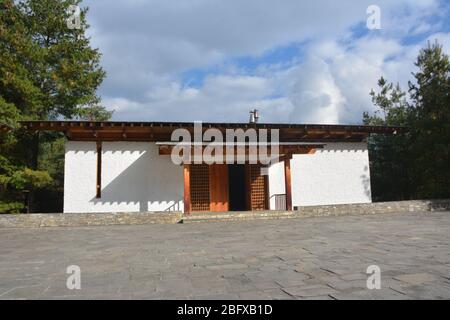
x=161 y=131
x=4 y=128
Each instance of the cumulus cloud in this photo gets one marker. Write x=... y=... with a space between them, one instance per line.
x=148 y=45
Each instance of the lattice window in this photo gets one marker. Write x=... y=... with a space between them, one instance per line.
x=199 y=181
x=257 y=188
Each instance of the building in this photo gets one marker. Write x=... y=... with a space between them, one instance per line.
x=128 y=167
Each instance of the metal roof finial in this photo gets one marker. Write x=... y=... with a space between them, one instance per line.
x=254 y=116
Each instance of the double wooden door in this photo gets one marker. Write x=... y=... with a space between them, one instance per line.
x=209 y=188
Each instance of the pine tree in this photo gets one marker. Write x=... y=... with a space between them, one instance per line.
x=430 y=94
x=48 y=70
x=390 y=166
x=416 y=164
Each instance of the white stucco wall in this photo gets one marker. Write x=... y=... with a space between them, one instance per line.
x=337 y=174
x=134 y=178
x=276 y=182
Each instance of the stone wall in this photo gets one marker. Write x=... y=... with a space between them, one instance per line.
x=37 y=220
x=374 y=208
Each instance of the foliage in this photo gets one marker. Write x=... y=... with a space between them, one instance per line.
x=47 y=71
x=430 y=94
x=416 y=164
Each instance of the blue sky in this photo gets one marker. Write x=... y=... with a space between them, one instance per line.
x=296 y=61
x=284 y=55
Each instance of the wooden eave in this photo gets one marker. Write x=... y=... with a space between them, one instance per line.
x=161 y=131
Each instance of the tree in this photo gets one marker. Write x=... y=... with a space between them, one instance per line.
x=416 y=164
x=430 y=95
x=48 y=71
x=14 y=177
x=390 y=165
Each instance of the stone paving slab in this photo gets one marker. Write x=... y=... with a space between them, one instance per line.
x=416 y=279
x=311 y=258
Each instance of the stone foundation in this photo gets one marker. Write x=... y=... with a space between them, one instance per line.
x=375 y=208
x=36 y=220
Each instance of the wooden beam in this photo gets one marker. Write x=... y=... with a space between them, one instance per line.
x=187 y=188
x=98 y=193
x=290 y=150
x=287 y=182
x=165 y=149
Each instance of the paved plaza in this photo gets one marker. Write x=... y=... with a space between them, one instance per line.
x=308 y=258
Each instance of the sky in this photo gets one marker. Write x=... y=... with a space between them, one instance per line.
x=295 y=61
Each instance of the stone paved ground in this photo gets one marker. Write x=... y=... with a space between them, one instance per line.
x=312 y=258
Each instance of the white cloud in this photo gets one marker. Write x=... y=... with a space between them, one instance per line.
x=148 y=44
x=325 y=88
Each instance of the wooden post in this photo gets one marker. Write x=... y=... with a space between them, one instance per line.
x=287 y=181
x=187 y=189
x=248 y=188
x=266 y=189
x=98 y=193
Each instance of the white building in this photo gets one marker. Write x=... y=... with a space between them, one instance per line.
x=127 y=167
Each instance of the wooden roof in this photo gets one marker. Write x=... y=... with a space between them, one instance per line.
x=161 y=131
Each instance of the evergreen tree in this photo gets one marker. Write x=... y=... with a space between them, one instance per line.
x=430 y=95
x=47 y=71
x=416 y=164
x=390 y=165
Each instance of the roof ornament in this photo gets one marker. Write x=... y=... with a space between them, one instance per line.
x=254 y=117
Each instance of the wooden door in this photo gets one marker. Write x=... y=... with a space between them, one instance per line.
x=218 y=184
x=257 y=188
x=198 y=187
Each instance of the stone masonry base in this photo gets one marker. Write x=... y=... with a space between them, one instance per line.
x=36 y=220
